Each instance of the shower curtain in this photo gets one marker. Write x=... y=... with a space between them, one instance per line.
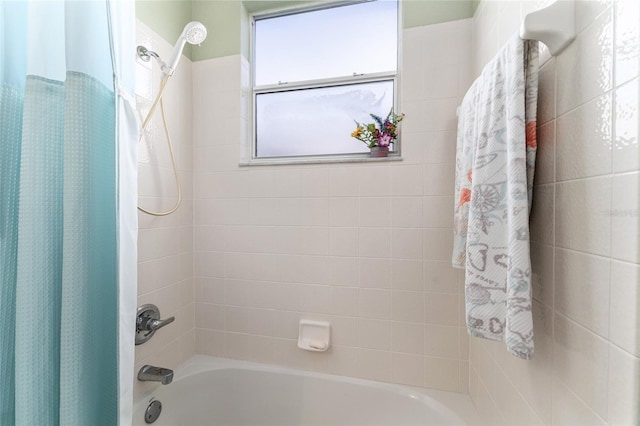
x=67 y=233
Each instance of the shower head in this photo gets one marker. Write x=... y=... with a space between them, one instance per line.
x=194 y=33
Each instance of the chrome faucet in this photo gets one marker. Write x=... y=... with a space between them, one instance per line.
x=148 y=322
x=149 y=373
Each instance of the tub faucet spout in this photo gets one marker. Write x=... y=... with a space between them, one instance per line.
x=149 y=373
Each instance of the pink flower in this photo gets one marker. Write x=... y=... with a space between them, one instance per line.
x=384 y=139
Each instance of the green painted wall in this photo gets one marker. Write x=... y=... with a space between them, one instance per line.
x=476 y=3
x=228 y=21
x=223 y=20
x=417 y=13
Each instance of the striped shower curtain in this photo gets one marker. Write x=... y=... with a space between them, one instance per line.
x=60 y=218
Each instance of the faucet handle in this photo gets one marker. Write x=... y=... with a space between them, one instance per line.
x=148 y=321
x=150 y=324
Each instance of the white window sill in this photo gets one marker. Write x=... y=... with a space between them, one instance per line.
x=318 y=160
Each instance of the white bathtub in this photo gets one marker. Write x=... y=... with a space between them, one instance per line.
x=216 y=391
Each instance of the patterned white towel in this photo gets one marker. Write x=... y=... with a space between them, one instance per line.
x=495 y=162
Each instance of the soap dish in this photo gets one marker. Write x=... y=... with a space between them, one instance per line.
x=314 y=335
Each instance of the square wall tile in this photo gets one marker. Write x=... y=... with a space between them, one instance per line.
x=441 y=341
x=441 y=80
x=581 y=362
x=343 y=241
x=624 y=387
x=375 y=212
x=407 y=306
x=582 y=292
x=440 y=277
x=237 y=346
x=344 y=360
x=441 y=309
x=438 y=179
x=438 y=244
x=375 y=303
x=535 y=376
x=375 y=273
x=286 y=183
x=545 y=155
x=441 y=373
x=542 y=273
x=314 y=211
x=374 y=181
x=625 y=306
x=626 y=124
x=406 y=243
x=407 y=338
x=584 y=140
x=407 y=369
x=375 y=334
x=406 y=212
x=314 y=182
x=568 y=408
x=406 y=274
x=625 y=218
x=541 y=218
x=584 y=204
x=437 y=212
x=586 y=65
x=406 y=180
x=345 y=271
x=375 y=242
x=344 y=211
x=343 y=301
x=343 y=182
x=547 y=92
x=627 y=48
x=440 y=147
x=374 y=365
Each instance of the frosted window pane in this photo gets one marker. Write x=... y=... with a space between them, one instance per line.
x=335 y=42
x=318 y=121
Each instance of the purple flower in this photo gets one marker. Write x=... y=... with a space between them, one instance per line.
x=384 y=139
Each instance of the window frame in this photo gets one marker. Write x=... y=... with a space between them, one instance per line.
x=252 y=145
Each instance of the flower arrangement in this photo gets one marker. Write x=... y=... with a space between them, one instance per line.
x=381 y=133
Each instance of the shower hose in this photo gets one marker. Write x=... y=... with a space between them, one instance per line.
x=145 y=123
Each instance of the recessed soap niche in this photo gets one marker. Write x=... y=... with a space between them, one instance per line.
x=314 y=336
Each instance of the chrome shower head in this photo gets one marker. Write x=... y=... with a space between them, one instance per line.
x=193 y=33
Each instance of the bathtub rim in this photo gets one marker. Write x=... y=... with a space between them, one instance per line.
x=456 y=404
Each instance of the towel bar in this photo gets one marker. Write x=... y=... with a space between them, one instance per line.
x=553 y=25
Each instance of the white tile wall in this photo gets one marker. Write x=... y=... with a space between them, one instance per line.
x=584 y=228
x=254 y=250
x=165 y=244
x=364 y=246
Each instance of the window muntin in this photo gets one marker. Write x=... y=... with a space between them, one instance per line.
x=317 y=71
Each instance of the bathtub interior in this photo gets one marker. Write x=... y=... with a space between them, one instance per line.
x=212 y=391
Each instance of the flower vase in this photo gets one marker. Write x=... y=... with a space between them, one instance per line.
x=379 y=151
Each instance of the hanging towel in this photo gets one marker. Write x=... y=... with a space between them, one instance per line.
x=495 y=161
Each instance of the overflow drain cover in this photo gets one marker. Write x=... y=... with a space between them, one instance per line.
x=153 y=411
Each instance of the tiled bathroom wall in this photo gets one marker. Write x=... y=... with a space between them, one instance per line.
x=365 y=246
x=584 y=229
x=165 y=244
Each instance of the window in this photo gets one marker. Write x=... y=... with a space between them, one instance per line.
x=316 y=71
